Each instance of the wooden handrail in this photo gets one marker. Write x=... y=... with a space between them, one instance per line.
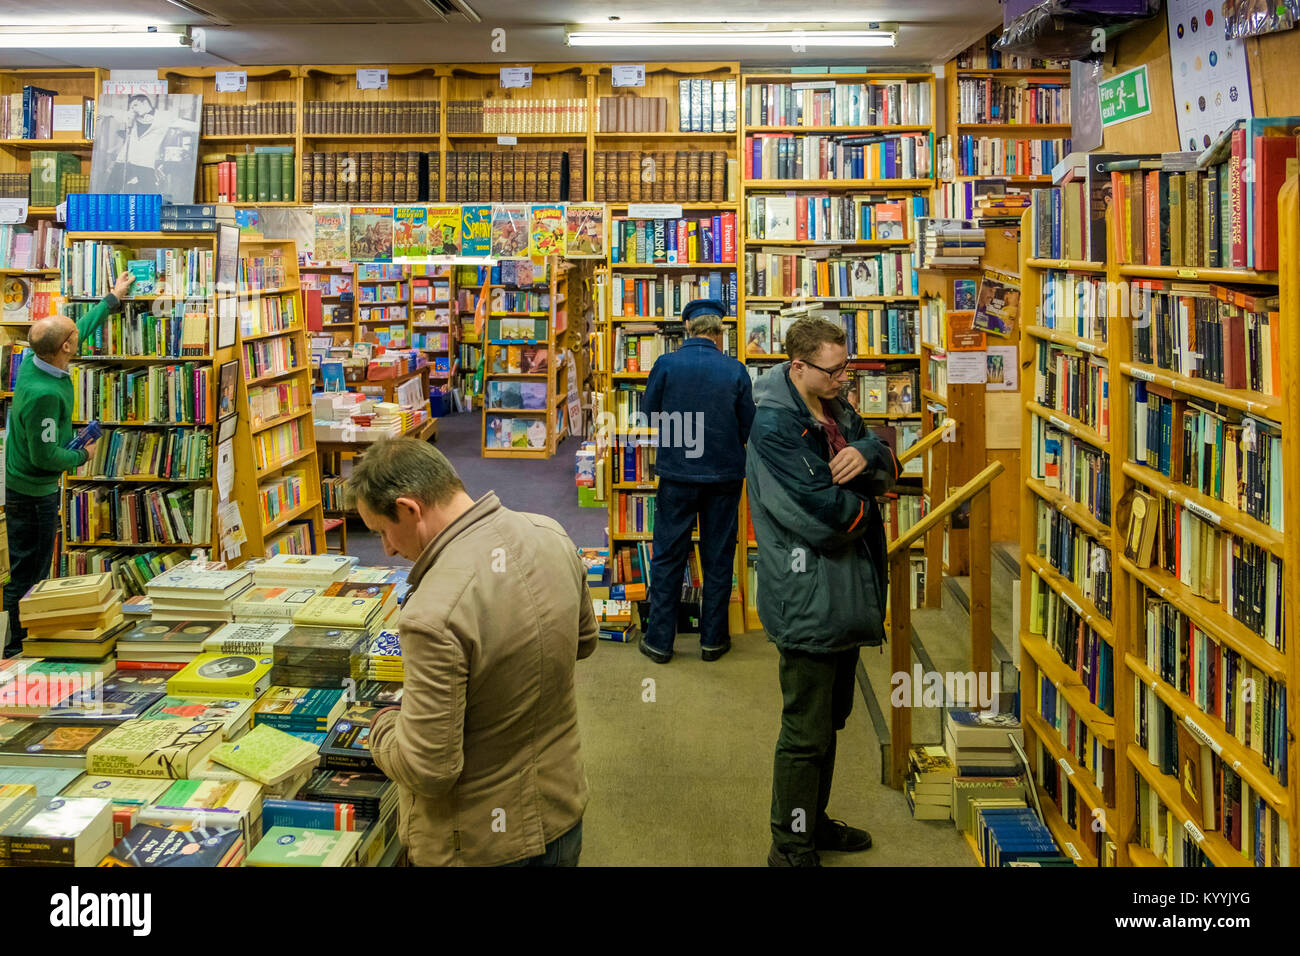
x=953 y=502
x=928 y=442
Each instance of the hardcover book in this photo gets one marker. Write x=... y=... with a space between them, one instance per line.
x=223 y=675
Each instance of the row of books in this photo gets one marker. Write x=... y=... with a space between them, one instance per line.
x=268 y=313
x=684 y=241
x=1080 y=558
x=664 y=296
x=30 y=114
x=263 y=175
x=173 y=454
x=1064 y=463
x=872 y=330
x=131 y=571
x=51 y=173
x=91 y=266
x=504 y=431
x=876 y=103
x=818 y=157
x=984 y=54
x=385 y=116
x=159 y=515
x=822 y=218
x=270 y=357
x=632 y=113
x=512 y=175
x=178 y=394
x=111 y=212
x=664 y=176
x=1078 y=739
x=516 y=395
x=33 y=247
x=706 y=106
x=282 y=494
x=27 y=298
x=1075 y=641
x=339 y=176
x=274 y=117
x=976 y=199
x=987 y=99
x=948 y=243
x=1079 y=304
x=995 y=156
x=257 y=273
x=539 y=115
x=841 y=276
x=136 y=332
x=275 y=400
x=1074 y=383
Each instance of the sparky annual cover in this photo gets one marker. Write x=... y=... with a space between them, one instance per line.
x=546 y=235
x=444 y=230
x=153 y=748
x=584 y=231
x=300 y=846
x=476 y=229
x=370 y=233
x=149 y=846
x=331 y=228
x=223 y=675
x=411 y=231
x=510 y=231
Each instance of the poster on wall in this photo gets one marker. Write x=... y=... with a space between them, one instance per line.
x=444 y=230
x=147 y=144
x=331 y=233
x=584 y=231
x=1211 y=86
x=509 y=230
x=411 y=232
x=476 y=229
x=546 y=231
x=370 y=233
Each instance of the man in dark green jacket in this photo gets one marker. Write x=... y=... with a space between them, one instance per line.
x=36 y=452
x=814 y=472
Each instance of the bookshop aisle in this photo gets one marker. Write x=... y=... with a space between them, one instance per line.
x=657 y=796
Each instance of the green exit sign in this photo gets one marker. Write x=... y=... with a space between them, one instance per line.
x=1124 y=97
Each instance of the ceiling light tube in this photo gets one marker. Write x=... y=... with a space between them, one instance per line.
x=733 y=34
x=81 y=38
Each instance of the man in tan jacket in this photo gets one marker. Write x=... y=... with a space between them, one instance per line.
x=485 y=746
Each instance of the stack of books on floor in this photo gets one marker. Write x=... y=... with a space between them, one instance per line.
x=979 y=744
x=244 y=733
x=929 y=783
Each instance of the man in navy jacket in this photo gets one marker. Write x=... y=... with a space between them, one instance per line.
x=702 y=405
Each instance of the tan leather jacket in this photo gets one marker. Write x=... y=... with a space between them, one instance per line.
x=485 y=748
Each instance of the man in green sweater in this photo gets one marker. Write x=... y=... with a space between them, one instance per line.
x=36 y=452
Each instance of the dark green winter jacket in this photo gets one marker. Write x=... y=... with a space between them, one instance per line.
x=822 y=572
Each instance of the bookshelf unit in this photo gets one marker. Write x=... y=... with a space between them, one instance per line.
x=328 y=276
x=278 y=489
x=433 y=326
x=144 y=384
x=1178 y=652
x=385 y=315
x=524 y=359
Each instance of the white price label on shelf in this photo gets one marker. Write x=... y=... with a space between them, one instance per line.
x=1201 y=735
x=61 y=211
x=1065 y=765
x=629 y=75
x=372 y=79
x=1063 y=426
x=647 y=210
x=1069 y=848
x=1194 y=831
x=516 y=77
x=507 y=140
x=1142 y=375
x=1202 y=512
x=1090 y=347
x=232 y=81
x=13 y=211
x=1070 y=601
x=813 y=85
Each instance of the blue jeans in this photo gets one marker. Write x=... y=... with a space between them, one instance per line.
x=32 y=523
x=562 y=851
x=676 y=505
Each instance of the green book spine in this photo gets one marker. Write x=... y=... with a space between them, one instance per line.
x=263 y=177
x=273 y=165
x=241 y=177
x=286 y=177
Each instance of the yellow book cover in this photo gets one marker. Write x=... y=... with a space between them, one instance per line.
x=153 y=748
x=354 y=612
x=241 y=676
x=54 y=594
x=84 y=614
x=123 y=791
x=266 y=755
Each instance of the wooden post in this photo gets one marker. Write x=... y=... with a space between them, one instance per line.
x=981 y=584
x=900 y=659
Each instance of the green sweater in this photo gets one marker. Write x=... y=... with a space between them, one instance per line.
x=40 y=420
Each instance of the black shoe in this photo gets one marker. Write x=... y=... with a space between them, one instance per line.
x=839 y=836
x=659 y=657
x=776 y=857
x=713 y=653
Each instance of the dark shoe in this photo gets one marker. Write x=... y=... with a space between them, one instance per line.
x=776 y=857
x=839 y=836
x=659 y=657
x=713 y=653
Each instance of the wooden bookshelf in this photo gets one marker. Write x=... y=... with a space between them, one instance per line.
x=378 y=280
x=1137 y=778
x=270 y=531
x=106 y=551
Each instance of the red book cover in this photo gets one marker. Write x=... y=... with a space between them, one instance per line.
x=728 y=237
x=313 y=306
x=1236 y=194
x=1137 y=210
x=1272 y=154
x=801 y=218
x=683 y=247
x=629 y=297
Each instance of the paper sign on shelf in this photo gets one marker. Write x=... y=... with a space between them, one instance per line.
x=659 y=210
x=628 y=75
x=372 y=79
x=61 y=211
x=967 y=368
x=225 y=468
x=507 y=140
x=516 y=77
x=232 y=81
x=13 y=211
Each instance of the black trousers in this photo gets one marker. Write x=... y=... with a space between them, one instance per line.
x=31 y=523
x=817 y=697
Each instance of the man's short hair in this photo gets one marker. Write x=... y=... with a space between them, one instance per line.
x=704 y=323
x=47 y=337
x=805 y=338
x=395 y=468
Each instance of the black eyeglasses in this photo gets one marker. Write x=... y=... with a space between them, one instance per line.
x=832 y=372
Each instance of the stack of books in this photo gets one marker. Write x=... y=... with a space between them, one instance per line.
x=319 y=656
x=949 y=243
x=55 y=831
x=929 y=783
x=76 y=618
x=382 y=660
x=1009 y=836
x=302 y=570
x=276 y=602
x=162 y=645
x=194 y=590
x=195 y=217
x=300 y=710
x=980 y=745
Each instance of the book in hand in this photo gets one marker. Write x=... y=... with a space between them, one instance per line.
x=91 y=432
x=148 y=846
x=347 y=747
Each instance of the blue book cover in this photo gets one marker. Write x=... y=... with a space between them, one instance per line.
x=149 y=846
x=476 y=230
x=299 y=813
x=332 y=375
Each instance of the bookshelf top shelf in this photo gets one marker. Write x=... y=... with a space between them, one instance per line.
x=1198 y=274
x=54 y=144
x=847 y=130
x=1000 y=71
x=884 y=77
x=1019 y=127
x=1072 y=265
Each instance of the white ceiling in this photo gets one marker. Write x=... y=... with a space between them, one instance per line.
x=409 y=31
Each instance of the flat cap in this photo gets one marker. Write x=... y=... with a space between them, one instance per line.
x=703 y=305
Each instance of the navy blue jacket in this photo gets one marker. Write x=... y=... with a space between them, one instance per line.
x=697 y=383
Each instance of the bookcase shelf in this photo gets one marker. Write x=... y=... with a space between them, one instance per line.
x=1255 y=403
x=1080 y=776
x=1213 y=845
x=1068 y=684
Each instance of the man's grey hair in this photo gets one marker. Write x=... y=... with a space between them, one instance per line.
x=47 y=336
x=705 y=323
x=395 y=468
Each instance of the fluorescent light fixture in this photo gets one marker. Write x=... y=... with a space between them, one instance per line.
x=92 y=37
x=820 y=34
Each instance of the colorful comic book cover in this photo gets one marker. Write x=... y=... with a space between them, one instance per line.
x=998 y=304
x=584 y=231
x=370 y=233
x=331 y=233
x=476 y=229
x=546 y=231
x=444 y=230
x=411 y=232
x=510 y=231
